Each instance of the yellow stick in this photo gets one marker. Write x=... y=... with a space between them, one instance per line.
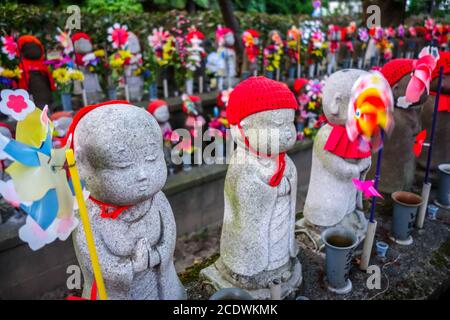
x=86 y=224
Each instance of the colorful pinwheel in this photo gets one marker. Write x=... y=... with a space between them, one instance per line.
x=38 y=175
x=370 y=109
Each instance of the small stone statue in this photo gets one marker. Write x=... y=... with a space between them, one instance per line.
x=135 y=82
x=398 y=148
x=225 y=49
x=35 y=75
x=85 y=60
x=258 y=244
x=160 y=110
x=118 y=148
x=250 y=59
x=332 y=198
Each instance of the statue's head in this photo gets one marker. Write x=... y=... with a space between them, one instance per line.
x=118 y=148
x=133 y=43
x=336 y=94
x=82 y=43
x=261 y=113
x=159 y=110
x=30 y=47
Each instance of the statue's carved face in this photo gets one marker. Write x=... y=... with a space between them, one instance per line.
x=229 y=39
x=269 y=132
x=162 y=114
x=119 y=154
x=82 y=46
x=31 y=50
x=133 y=43
x=336 y=94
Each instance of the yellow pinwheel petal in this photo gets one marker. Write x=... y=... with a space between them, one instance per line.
x=31 y=131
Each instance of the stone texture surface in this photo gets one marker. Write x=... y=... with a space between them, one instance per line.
x=332 y=195
x=257 y=244
x=119 y=154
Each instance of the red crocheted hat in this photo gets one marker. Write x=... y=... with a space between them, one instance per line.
x=299 y=83
x=444 y=61
x=80 y=35
x=82 y=112
x=152 y=106
x=396 y=69
x=257 y=94
x=253 y=32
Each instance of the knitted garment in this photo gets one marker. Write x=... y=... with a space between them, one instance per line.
x=340 y=144
x=396 y=69
x=257 y=94
x=152 y=106
x=79 y=56
x=299 y=83
x=444 y=101
x=27 y=65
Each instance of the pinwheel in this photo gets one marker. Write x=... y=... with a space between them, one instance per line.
x=9 y=47
x=38 y=173
x=370 y=110
x=370 y=115
x=367 y=187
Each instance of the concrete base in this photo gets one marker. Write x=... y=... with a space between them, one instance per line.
x=348 y=287
x=406 y=242
x=440 y=205
x=214 y=277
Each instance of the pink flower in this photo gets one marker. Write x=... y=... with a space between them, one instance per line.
x=118 y=36
x=9 y=47
x=16 y=103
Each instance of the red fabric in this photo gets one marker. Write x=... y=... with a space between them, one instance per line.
x=152 y=106
x=281 y=161
x=27 y=65
x=444 y=102
x=257 y=94
x=60 y=114
x=396 y=69
x=79 y=56
x=109 y=210
x=340 y=144
x=93 y=294
x=193 y=34
x=253 y=32
x=299 y=83
x=83 y=111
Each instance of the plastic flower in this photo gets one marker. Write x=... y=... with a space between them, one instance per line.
x=9 y=47
x=363 y=34
x=77 y=75
x=118 y=36
x=64 y=39
x=99 y=53
x=16 y=103
x=158 y=37
x=62 y=75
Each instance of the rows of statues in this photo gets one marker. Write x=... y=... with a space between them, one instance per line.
x=119 y=151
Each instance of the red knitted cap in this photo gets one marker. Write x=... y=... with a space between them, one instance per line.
x=299 y=83
x=152 y=106
x=257 y=94
x=444 y=61
x=396 y=69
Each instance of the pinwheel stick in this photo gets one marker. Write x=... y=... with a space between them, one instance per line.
x=426 y=184
x=372 y=225
x=86 y=224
